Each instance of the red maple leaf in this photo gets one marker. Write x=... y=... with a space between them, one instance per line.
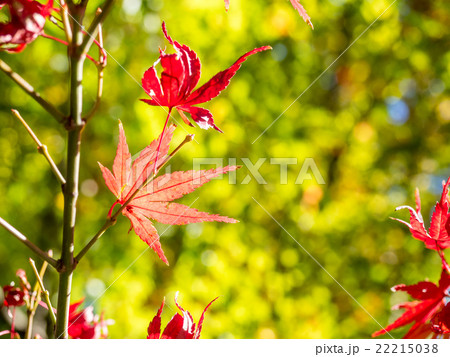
x=180 y=74
x=179 y=327
x=15 y=296
x=440 y=323
x=430 y=299
x=27 y=20
x=85 y=324
x=437 y=238
x=153 y=199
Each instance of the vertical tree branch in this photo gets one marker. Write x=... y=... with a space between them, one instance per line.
x=30 y=319
x=75 y=127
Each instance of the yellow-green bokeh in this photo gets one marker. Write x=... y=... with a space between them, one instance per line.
x=344 y=118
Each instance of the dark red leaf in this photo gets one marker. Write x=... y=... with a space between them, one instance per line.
x=201 y=116
x=220 y=81
x=430 y=299
x=440 y=323
x=421 y=291
x=13 y=296
x=179 y=327
x=27 y=20
x=437 y=238
x=180 y=74
x=154 y=329
x=202 y=318
x=85 y=324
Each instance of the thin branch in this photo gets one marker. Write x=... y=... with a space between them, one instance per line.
x=100 y=67
x=30 y=320
x=34 y=300
x=44 y=35
x=42 y=149
x=94 y=27
x=186 y=140
x=44 y=291
x=29 y=244
x=28 y=88
x=65 y=20
x=112 y=220
x=109 y=223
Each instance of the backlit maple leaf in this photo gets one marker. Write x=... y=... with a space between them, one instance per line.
x=179 y=327
x=154 y=199
x=180 y=75
x=437 y=238
x=301 y=10
x=27 y=20
x=430 y=299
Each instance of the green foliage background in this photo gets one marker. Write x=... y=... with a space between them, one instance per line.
x=269 y=287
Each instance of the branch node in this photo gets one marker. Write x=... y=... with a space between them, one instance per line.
x=60 y=267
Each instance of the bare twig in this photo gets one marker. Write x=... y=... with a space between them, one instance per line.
x=44 y=291
x=35 y=300
x=71 y=187
x=94 y=27
x=65 y=20
x=42 y=149
x=100 y=67
x=28 y=88
x=29 y=244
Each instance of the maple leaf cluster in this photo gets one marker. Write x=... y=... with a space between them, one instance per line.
x=16 y=296
x=26 y=23
x=142 y=195
x=430 y=311
x=179 y=327
x=83 y=324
